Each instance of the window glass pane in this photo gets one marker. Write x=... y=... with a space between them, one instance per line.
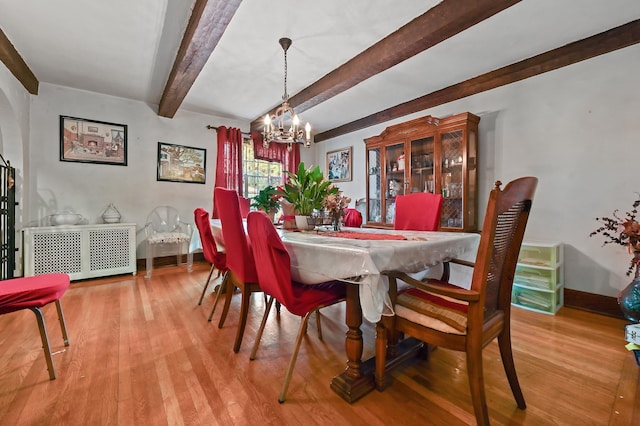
x=257 y=174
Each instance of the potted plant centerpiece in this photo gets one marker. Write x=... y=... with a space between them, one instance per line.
x=306 y=189
x=267 y=200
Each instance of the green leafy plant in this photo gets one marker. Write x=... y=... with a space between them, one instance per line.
x=267 y=200
x=306 y=189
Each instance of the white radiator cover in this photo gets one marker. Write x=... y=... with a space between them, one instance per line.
x=82 y=251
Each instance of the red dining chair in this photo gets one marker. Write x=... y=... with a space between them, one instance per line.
x=274 y=275
x=352 y=218
x=419 y=211
x=242 y=269
x=245 y=206
x=218 y=260
x=452 y=317
x=34 y=293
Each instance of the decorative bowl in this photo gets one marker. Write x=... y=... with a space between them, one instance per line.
x=65 y=218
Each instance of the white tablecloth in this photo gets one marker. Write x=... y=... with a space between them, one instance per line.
x=316 y=258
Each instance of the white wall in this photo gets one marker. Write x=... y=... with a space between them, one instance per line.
x=576 y=129
x=88 y=188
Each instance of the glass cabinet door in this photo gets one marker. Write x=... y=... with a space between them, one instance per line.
x=374 y=206
x=396 y=164
x=422 y=178
x=452 y=181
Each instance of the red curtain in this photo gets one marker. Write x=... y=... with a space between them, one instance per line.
x=277 y=152
x=229 y=160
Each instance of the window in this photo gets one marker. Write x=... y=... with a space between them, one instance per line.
x=257 y=174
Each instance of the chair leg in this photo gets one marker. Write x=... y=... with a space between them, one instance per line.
x=206 y=285
x=294 y=357
x=381 y=355
x=222 y=287
x=228 y=289
x=318 y=324
x=63 y=324
x=189 y=261
x=504 y=343
x=45 y=342
x=244 y=313
x=476 y=385
x=149 y=263
x=261 y=329
x=179 y=253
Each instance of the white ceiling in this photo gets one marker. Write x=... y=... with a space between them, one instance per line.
x=126 y=48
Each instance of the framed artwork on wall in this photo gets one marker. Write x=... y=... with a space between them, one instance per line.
x=91 y=141
x=339 y=165
x=179 y=163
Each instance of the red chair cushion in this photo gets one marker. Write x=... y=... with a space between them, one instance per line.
x=31 y=292
x=352 y=218
x=209 y=248
x=237 y=248
x=419 y=211
x=449 y=311
x=274 y=271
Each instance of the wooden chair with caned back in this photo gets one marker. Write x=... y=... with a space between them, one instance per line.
x=441 y=314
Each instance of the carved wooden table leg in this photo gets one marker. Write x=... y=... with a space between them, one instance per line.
x=355 y=381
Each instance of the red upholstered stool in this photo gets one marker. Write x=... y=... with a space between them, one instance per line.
x=34 y=293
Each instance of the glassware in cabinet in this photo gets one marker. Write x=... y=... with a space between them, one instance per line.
x=427 y=155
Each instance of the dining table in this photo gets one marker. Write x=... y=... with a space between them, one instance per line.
x=359 y=256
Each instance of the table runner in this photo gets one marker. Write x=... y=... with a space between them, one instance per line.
x=362 y=235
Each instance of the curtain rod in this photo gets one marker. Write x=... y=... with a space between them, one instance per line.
x=245 y=134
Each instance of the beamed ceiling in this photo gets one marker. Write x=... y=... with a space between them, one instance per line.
x=352 y=64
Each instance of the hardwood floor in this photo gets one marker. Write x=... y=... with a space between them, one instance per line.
x=143 y=353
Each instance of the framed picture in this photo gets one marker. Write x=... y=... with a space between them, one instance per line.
x=91 y=141
x=339 y=164
x=178 y=163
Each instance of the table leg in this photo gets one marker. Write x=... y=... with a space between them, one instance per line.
x=355 y=381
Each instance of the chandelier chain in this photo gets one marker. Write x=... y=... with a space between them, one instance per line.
x=285 y=97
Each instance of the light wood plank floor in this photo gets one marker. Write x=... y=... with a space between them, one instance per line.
x=143 y=353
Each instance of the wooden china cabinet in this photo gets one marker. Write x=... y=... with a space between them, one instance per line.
x=425 y=155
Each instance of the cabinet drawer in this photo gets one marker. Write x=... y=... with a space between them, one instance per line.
x=537 y=277
x=542 y=301
x=540 y=255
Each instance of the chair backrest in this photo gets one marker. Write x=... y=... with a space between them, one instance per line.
x=352 y=217
x=239 y=256
x=502 y=233
x=164 y=219
x=245 y=206
x=419 y=211
x=274 y=270
x=209 y=248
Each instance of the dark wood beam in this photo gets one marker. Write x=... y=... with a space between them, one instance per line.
x=209 y=20
x=18 y=67
x=608 y=41
x=441 y=22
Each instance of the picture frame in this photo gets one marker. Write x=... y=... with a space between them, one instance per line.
x=180 y=163
x=339 y=164
x=91 y=141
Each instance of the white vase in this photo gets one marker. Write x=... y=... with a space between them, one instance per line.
x=302 y=223
x=111 y=214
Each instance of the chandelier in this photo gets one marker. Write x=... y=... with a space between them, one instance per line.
x=275 y=129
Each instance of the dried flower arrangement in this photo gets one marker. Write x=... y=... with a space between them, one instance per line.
x=623 y=231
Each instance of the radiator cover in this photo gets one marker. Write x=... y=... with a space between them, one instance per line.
x=82 y=251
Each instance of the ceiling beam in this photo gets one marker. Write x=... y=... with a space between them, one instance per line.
x=605 y=42
x=208 y=21
x=18 y=67
x=448 y=18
